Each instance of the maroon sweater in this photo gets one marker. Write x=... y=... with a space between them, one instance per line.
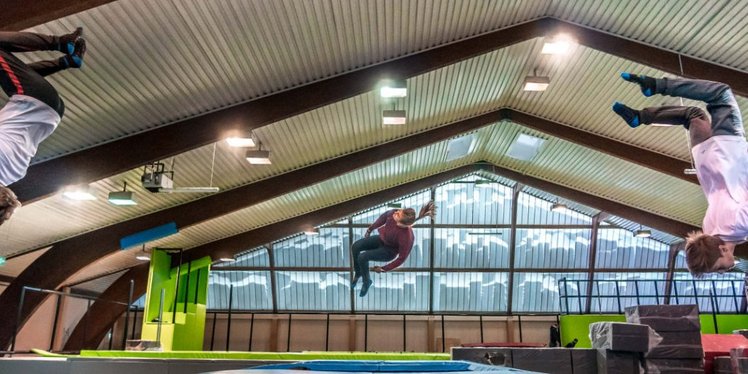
x=394 y=236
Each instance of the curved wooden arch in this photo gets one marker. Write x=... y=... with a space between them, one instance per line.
x=231 y=246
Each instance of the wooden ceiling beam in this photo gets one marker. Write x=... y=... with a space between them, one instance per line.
x=96 y=163
x=19 y=15
x=102 y=314
x=656 y=161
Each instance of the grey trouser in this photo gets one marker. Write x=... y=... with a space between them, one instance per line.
x=721 y=105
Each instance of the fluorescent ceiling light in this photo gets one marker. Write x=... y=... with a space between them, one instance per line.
x=79 y=193
x=395 y=205
x=689 y=171
x=258 y=157
x=121 y=198
x=240 y=142
x=190 y=190
x=227 y=259
x=460 y=147
x=143 y=257
x=536 y=83
x=311 y=232
x=2 y=260
x=525 y=147
x=558 y=207
x=394 y=88
x=642 y=233
x=393 y=117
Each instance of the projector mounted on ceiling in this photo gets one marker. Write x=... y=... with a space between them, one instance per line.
x=156 y=179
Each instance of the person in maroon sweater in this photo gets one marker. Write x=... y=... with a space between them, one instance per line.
x=394 y=242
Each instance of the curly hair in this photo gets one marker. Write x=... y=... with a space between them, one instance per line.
x=702 y=251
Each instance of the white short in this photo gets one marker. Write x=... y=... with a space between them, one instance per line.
x=24 y=123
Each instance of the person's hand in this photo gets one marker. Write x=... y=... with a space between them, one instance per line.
x=367 y=233
x=8 y=203
x=378 y=269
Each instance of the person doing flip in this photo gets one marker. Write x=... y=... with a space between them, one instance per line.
x=720 y=154
x=34 y=108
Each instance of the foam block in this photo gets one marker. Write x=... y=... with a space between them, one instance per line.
x=487 y=356
x=618 y=336
x=722 y=365
x=615 y=362
x=675 y=351
x=716 y=345
x=540 y=359
x=584 y=361
x=680 y=337
x=656 y=366
x=665 y=317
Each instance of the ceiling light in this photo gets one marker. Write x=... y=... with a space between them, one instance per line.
x=2 y=260
x=259 y=156
x=311 y=232
x=689 y=171
x=642 y=233
x=123 y=197
x=79 y=193
x=559 y=45
x=143 y=257
x=525 y=147
x=533 y=83
x=558 y=207
x=395 y=205
x=393 y=117
x=240 y=142
x=227 y=259
x=394 y=88
x=190 y=190
x=460 y=147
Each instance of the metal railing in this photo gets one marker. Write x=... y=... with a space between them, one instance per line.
x=613 y=296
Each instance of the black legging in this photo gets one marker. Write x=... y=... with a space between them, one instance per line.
x=19 y=78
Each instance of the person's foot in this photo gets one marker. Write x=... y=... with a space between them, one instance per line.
x=354 y=281
x=631 y=116
x=648 y=85
x=75 y=59
x=365 y=287
x=67 y=41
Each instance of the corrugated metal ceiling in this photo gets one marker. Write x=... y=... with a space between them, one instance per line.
x=152 y=63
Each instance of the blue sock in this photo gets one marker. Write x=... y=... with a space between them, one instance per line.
x=648 y=85
x=631 y=116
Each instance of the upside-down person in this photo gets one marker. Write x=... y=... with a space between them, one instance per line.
x=34 y=108
x=394 y=242
x=720 y=153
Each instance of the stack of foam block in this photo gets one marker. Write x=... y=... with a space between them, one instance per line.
x=544 y=360
x=680 y=350
x=619 y=346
